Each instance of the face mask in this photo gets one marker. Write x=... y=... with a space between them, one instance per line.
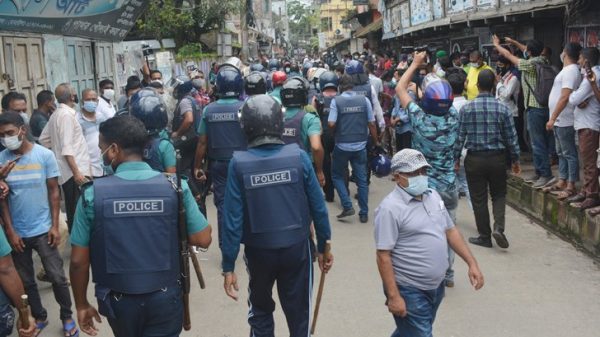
x=474 y=65
x=197 y=83
x=525 y=54
x=157 y=81
x=562 y=58
x=417 y=185
x=287 y=70
x=109 y=94
x=12 y=142
x=501 y=70
x=392 y=84
x=464 y=61
x=75 y=99
x=90 y=106
x=107 y=166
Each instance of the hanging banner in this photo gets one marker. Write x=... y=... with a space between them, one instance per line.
x=360 y=2
x=95 y=19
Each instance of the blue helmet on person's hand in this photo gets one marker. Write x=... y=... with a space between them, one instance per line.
x=381 y=165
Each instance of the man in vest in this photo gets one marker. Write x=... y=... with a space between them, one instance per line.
x=350 y=119
x=159 y=153
x=272 y=195
x=300 y=127
x=136 y=202
x=220 y=134
x=362 y=85
x=328 y=81
x=255 y=84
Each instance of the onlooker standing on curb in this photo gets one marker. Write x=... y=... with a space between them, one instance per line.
x=487 y=127
x=63 y=135
x=587 y=125
x=413 y=231
x=106 y=108
x=537 y=113
x=39 y=118
x=562 y=119
x=90 y=120
x=477 y=66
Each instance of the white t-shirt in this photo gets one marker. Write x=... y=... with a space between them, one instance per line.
x=568 y=78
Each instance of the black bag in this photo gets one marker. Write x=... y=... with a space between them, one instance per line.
x=546 y=74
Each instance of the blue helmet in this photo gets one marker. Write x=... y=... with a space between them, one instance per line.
x=229 y=81
x=328 y=79
x=273 y=64
x=305 y=67
x=147 y=106
x=257 y=67
x=354 y=67
x=437 y=96
x=381 y=166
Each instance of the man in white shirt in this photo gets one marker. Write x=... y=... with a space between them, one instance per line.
x=63 y=135
x=90 y=121
x=106 y=108
x=375 y=81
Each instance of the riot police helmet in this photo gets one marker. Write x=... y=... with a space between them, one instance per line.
x=229 y=81
x=262 y=120
x=327 y=80
x=149 y=107
x=255 y=84
x=295 y=92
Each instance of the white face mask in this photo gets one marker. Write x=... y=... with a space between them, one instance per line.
x=109 y=94
x=11 y=142
x=562 y=58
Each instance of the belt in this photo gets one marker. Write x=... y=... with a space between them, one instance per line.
x=118 y=295
x=486 y=153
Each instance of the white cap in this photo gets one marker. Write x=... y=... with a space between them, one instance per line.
x=408 y=160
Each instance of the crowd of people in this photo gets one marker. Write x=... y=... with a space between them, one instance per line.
x=273 y=141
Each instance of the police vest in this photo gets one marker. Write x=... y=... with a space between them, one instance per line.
x=134 y=243
x=223 y=129
x=292 y=130
x=352 y=121
x=323 y=104
x=364 y=89
x=152 y=154
x=277 y=213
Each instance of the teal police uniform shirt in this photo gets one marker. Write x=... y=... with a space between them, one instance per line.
x=85 y=215
x=311 y=125
x=276 y=93
x=202 y=127
x=166 y=150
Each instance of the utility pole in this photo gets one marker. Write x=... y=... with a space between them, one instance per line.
x=244 y=29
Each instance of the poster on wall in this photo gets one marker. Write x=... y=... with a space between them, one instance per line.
x=576 y=35
x=420 y=12
x=438 y=9
x=387 y=21
x=459 y=5
x=404 y=15
x=102 y=20
x=464 y=44
x=396 y=18
x=592 y=37
x=486 y=3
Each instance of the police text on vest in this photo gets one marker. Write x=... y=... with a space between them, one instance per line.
x=271 y=178
x=138 y=206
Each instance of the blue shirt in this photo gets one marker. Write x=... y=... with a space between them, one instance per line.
x=233 y=209
x=333 y=114
x=399 y=112
x=435 y=136
x=28 y=199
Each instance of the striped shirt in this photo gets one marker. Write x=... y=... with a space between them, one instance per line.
x=486 y=125
x=529 y=75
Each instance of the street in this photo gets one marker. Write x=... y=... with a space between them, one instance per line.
x=540 y=286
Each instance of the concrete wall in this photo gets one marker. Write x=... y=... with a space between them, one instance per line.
x=575 y=225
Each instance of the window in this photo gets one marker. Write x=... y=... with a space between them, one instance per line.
x=326 y=24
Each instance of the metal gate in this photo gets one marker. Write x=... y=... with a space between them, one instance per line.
x=104 y=61
x=81 y=64
x=22 y=67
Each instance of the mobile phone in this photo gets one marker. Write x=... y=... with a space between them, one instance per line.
x=14 y=160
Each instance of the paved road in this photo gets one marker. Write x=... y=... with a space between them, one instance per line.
x=541 y=286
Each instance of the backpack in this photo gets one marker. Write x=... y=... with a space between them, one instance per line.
x=545 y=74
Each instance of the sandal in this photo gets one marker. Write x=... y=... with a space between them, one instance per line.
x=594 y=211
x=39 y=326
x=551 y=188
x=70 y=328
x=587 y=203
x=565 y=194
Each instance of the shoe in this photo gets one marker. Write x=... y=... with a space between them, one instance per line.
x=481 y=241
x=579 y=197
x=346 y=212
x=329 y=199
x=587 y=203
x=501 y=240
x=41 y=276
x=541 y=182
x=356 y=196
x=532 y=178
x=462 y=194
x=449 y=283
x=364 y=218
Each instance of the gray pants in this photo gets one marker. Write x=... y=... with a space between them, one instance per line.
x=53 y=265
x=450 y=198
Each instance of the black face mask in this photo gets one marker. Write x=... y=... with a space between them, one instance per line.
x=501 y=70
x=75 y=99
x=464 y=61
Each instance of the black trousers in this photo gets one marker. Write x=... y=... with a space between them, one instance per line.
x=487 y=170
x=403 y=141
x=71 y=193
x=328 y=145
x=292 y=269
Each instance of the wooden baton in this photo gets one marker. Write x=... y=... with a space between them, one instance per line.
x=198 y=270
x=321 y=285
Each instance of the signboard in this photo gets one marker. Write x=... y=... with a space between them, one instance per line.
x=95 y=19
x=404 y=15
x=460 y=5
x=360 y=2
x=420 y=11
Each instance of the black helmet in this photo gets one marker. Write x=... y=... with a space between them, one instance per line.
x=257 y=67
x=229 y=81
x=295 y=92
x=294 y=68
x=262 y=120
x=255 y=84
x=273 y=64
x=328 y=79
x=148 y=106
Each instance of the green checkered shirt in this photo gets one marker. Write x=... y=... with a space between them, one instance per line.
x=529 y=75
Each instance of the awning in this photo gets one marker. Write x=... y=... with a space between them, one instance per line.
x=100 y=20
x=388 y=35
x=372 y=27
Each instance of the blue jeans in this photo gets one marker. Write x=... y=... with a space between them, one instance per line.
x=568 y=160
x=540 y=140
x=421 y=307
x=450 y=198
x=339 y=167
x=7 y=319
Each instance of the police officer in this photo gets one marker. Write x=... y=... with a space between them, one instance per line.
x=159 y=153
x=274 y=65
x=272 y=195
x=136 y=202
x=350 y=119
x=328 y=82
x=220 y=134
x=278 y=78
x=301 y=127
x=361 y=85
x=255 y=84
